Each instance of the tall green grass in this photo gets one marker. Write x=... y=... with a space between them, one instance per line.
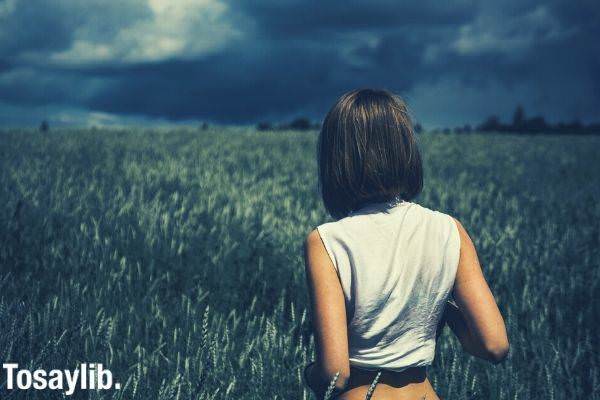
x=173 y=257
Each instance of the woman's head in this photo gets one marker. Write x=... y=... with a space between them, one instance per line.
x=367 y=152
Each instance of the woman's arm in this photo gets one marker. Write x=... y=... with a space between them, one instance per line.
x=476 y=319
x=329 y=318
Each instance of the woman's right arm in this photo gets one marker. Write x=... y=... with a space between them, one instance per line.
x=476 y=320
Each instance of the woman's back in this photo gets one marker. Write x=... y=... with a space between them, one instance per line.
x=396 y=264
x=378 y=277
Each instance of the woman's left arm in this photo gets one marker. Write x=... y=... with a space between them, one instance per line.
x=329 y=318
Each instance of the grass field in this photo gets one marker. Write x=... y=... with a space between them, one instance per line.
x=174 y=258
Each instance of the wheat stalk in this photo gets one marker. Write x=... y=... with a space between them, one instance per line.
x=372 y=387
x=331 y=387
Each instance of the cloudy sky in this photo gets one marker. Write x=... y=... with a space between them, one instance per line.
x=93 y=62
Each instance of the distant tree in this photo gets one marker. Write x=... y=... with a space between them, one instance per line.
x=44 y=126
x=518 y=118
x=571 y=127
x=593 y=128
x=300 y=124
x=446 y=130
x=264 y=126
x=576 y=126
x=536 y=124
x=458 y=129
x=467 y=128
x=204 y=126
x=491 y=124
x=418 y=128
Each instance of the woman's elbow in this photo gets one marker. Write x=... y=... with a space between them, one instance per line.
x=328 y=374
x=343 y=377
x=498 y=352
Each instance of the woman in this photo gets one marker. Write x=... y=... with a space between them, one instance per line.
x=380 y=276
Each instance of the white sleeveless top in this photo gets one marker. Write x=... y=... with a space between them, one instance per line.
x=396 y=264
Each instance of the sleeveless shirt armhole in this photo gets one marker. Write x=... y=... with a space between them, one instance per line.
x=325 y=240
x=453 y=250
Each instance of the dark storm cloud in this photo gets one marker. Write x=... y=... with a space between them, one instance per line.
x=295 y=18
x=243 y=86
x=244 y=61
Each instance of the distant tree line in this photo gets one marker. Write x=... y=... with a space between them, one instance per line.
x=297 y=124
x=521 y=124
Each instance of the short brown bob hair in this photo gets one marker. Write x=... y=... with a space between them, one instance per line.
x=367 y=152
